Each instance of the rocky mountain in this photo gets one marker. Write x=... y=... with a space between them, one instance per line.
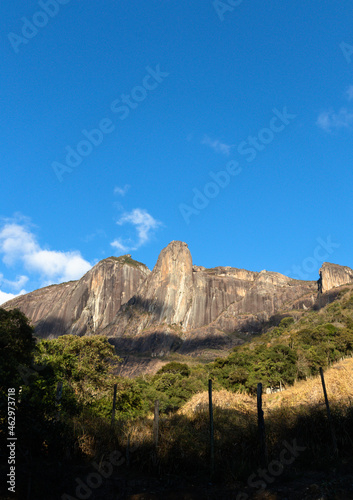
x=176 y=307
x=333 y=275
x=84 y=306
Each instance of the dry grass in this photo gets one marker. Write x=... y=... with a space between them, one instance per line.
x=296 y=413
x=224 y=400
x=306 y=393
x=339 y=386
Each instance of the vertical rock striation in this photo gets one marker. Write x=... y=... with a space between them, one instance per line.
x=177 y=306
x=334 y=275
x=84 y=306
x=200 y=301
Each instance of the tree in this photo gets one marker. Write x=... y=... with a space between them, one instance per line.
x=82 y=363
x=175 y=367
x=16 y=346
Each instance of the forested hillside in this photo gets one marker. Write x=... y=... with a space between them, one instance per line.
x=64 y=396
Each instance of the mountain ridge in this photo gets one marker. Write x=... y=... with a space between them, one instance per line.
x=177 y=306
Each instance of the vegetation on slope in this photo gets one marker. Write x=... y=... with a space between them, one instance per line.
x=78 y=428
x=293 y=350
x=127 y=259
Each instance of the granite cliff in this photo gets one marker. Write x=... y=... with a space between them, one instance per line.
x=176 y=307
x=333 y=275
x=84 y=306
x=190 y=308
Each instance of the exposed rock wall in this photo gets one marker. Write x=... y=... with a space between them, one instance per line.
x=202 y=301
x=167 y=293
x=84 y=306
x=334 y=275
x=177 y=306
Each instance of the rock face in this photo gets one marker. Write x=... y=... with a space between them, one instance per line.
x=168 y=291
x=334 y=275
x=177 y=306
x=84 y=306
x=191 y=306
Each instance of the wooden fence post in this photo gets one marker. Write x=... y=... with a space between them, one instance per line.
x=261 y=426
x=333 y=435
x=128 y=451
x=114 y=403
x=59 y=390
x=156 y=423
x=211 y=426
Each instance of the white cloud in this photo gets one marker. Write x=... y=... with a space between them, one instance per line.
x=332 y=120
x=18 y=243
x=117 y=244
x=329 y=120
x=349 y=93
x=144 y=223
x=120 y=190
x=4 y=297
x=217 y=146
x=65 y=265
x=19 y=283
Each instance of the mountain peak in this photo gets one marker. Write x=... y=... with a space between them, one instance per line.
x=333 y=275
x=175 y=258
x=124 y=260
x=186 y=305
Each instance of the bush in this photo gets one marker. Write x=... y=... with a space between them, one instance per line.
x=175 y=367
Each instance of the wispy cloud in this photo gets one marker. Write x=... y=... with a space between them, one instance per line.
x=349 y=93
x=144 y=224
x=19 y=244
x=121 y=190
x=330 y=120
x=217 y=145
x=119 y=246
x=15 y=285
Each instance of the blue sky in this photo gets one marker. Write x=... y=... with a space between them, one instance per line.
x=126 y=125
